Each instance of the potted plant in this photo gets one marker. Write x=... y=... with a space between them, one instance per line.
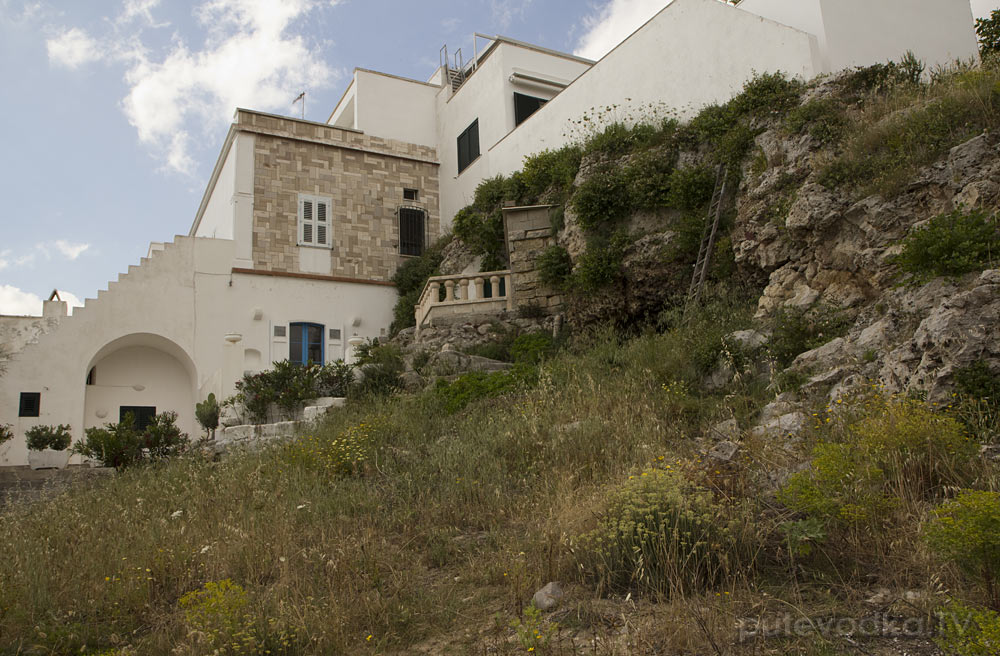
x=47 y=446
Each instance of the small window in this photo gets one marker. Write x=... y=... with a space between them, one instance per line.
x=30 y=405
x=314 y=221
x=305 y=345
x=411 y=194
x=468 y=146
x=525 y=106
x=142 y=415
x=279 y=331
x=335 y=334
x=411 y=231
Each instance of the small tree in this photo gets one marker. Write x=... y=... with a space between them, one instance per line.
x=207 y=414
x=988 y=30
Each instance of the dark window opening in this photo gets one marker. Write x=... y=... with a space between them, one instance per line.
x=305 y=346
x=411 y=231
x=525 y=106
x=488 y=288
x=468 y=146
x=335 y=334
x=30 y=404
x=90 y=375
x=410 y=194
x=142 y=415
x=279 y=331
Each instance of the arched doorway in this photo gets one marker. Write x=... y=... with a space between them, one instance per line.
x=143 y=374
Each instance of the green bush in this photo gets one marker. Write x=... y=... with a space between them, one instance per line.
x=380 y=367
x=602 y=200
x=601 y=264
x=532 y=348
x=662 y=535
x=795 y=331
x=6 y=433
x=207 y=413
x=617 y=139
x=988 y=32
x=968 y=631
x=218 y=614
x=334 y=379
x=951 y=244
x=825 y=120
x=977 y=381
x=899 y=452
x=691 y=187
x=554 y=266
x=42 y=437
x=966 y=531
x=476 y=385
x=123 y=445
x=648 y=178
x=410 y=278
x=287 y=384
x=551 y=172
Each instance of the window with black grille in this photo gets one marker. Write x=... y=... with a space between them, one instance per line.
x=30 y=405
x=411 y=231
x=525 y=106
x=468 y=146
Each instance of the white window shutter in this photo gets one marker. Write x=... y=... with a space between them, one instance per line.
x=322 y=227
x=307 y=222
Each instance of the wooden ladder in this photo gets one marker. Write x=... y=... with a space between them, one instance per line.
x=708 y=235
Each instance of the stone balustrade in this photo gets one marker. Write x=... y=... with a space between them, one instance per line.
x=468 y=294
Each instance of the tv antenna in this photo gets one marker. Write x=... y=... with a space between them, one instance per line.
x=302 y=97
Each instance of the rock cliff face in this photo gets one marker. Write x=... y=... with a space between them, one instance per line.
x=809 y=246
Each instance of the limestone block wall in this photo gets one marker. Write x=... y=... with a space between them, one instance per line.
x=529 y=232
x=365 y=178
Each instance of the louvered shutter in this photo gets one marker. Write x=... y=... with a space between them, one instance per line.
x=307 y=222
x=322 y=227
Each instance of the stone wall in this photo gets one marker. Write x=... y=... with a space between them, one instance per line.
x=529 y=232
x=364 y=176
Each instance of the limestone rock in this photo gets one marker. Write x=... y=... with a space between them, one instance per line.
x=548 y=597
x=724 y=451
x=724 y=430
x=787 y=425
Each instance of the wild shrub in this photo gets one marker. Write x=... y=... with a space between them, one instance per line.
x=648 y=178
x=966 y=531
x=123 y=445
x=554 y=266
x=341 y=453
x=551 y=172
x=495 y=349
x=794 y=331
x=618 y=138
x=951 y=244
x=410 y=278
x=896 y=456
x=477 y=385
x=287 y=384
x=911 y=127
x=532 y=348
x=380 y=367
x=661 y=535
x=988 y=32
x=334 y=379
x=601 y=264
x=977 y=381
x=42 y=437
x=482 y=231
x=6 y=433
x=965 y=630
x=218 y=613
x=824 y=119
x=690 y=187
x=602 y=200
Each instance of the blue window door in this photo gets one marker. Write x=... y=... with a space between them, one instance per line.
x=305 y=344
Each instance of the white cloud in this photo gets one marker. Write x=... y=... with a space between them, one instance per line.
x=251 y=57
x=4 y=262
x=69 y=249
x=14 y=301
x=505 y=11
x=613 y=23
x=72 y=48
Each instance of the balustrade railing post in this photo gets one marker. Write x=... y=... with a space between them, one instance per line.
x=435 y=296
x=495 y=287
x=478 y=284
x=449 y=290
x=508 y=292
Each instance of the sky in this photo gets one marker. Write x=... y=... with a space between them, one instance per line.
x=113 y=112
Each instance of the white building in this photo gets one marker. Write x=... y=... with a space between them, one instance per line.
x=302 y=224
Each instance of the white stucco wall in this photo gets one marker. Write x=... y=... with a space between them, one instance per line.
x=805 y=15
x=395 y=108
x=217 y=219
x=162 y=328
x=937 y=31
x=488 y=95
x=693 y=53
